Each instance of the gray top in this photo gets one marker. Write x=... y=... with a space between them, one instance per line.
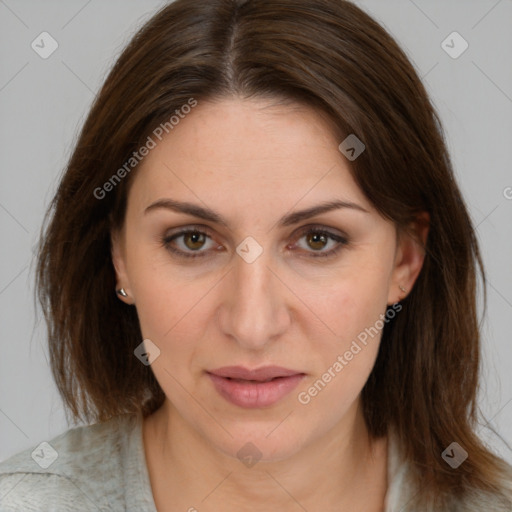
x=102 y=467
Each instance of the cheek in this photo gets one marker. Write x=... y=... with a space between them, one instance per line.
x=342 y=366
x=166 y=299
x=344 y=356
x=170 y=313
x=350 y=303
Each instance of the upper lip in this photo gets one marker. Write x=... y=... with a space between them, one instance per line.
x=259 y=374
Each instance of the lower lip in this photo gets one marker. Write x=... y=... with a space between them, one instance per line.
x=252 y=395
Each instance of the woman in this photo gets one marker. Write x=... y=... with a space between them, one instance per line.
x=259 y=277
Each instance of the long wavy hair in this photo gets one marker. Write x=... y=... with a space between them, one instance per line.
x=328 y=54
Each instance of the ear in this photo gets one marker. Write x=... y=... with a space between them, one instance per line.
x=409 y=257
x=118 y=252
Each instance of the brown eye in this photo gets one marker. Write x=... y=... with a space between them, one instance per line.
x=193 y=243
x=189 y=243
x=194 y=240
x=317 y=241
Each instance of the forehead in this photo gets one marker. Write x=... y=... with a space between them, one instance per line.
x=252 y=148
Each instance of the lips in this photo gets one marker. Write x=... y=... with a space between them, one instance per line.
x=259 y=374
x=260 y=387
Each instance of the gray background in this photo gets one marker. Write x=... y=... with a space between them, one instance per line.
x=43 y=103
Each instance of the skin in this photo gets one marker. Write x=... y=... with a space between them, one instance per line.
x=253 y=163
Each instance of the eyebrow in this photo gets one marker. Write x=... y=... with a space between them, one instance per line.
x=287 y=220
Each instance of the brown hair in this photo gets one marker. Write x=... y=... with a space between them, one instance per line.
x=330 y=55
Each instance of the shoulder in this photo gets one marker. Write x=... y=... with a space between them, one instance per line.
x=31 y=492
x=73 y=471
x=402 y=490
x=499 y=501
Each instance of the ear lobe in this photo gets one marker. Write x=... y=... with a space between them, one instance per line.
x=410 y=256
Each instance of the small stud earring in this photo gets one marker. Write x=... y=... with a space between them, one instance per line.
x=402 y=288
x=122 y=292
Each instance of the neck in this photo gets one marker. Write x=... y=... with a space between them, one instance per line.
x=342 y=470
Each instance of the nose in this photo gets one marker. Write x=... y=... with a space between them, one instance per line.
x=253 y=308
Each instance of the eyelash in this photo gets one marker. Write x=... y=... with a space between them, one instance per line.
x=342 y=241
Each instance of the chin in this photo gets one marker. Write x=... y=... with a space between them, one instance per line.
x=261 y=442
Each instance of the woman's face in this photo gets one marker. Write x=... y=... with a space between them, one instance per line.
x=253 y=285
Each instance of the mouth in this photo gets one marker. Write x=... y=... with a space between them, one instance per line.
x=257 y=388
x=255 y=381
